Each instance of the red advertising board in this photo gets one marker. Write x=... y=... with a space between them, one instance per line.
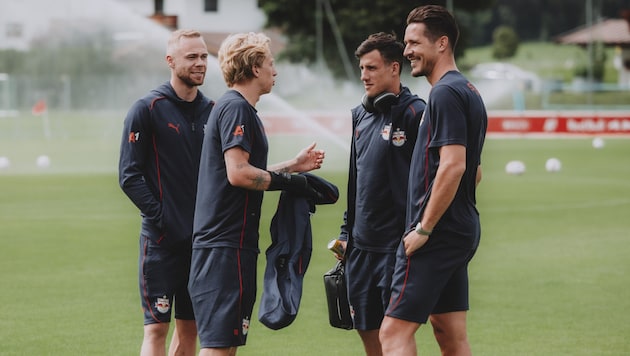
x=500 y=123
x=559 y=123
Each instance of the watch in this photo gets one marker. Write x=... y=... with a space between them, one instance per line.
x=422 y=231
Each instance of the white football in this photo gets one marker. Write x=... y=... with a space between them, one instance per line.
x=598 y=142
x=43 y=161
x=515 y=167
x=553 y=165
x=4 y=162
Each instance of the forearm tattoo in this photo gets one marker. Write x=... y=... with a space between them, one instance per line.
x=284 y=170
x=259 y=181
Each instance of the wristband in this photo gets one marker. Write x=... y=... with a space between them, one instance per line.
x=287 y=181
x=422 y=231
x=293 y=183
x=279 y=181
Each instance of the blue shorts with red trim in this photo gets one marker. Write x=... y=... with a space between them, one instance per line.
x=222 y=287
x=433 y=280
x=163 y=278
x=369 y=276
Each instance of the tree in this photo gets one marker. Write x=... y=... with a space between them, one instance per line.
x=540 y=20
x=505 y=42
x=593 y=68
x=353 y=20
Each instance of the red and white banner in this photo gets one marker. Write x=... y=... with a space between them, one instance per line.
x=559 y=123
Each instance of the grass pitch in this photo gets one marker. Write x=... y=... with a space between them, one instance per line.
x=551 y=277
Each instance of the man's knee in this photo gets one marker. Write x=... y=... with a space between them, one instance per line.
x=157 y=331
x=186 y=329
x=450 y=332
x=396 y=329
x=386 y=331
x=370 y=339
x=449 y=323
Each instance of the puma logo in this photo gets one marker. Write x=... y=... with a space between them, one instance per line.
x=172 y=126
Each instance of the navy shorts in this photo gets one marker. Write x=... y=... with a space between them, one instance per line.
x=433 y=280
x=163 y=278
x=223 y=291
x=369 y=276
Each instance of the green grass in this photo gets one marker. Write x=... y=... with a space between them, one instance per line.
x=554 y=250
x=554 y=63
x=548 y=60
x=551 y=276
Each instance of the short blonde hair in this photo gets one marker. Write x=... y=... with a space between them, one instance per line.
x=173 y=41
x=239 y=53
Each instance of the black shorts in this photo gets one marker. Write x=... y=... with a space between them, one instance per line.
x=433 y=280
x=369 y=276
x=163 y=278
x=223 y=291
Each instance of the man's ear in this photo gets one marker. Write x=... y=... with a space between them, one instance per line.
x=443 y=43
x=395 y=67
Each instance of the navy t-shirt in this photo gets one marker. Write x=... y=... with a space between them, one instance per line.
x=455 y=115
x=228 y=216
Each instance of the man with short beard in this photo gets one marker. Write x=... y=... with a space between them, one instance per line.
x=159 y=162
x=430 y=280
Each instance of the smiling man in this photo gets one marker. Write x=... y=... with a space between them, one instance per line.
x=442 y=224
x=158 y=167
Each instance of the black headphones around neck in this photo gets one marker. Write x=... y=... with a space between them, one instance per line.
x=380 y=103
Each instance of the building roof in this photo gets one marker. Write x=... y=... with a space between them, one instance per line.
x=612 y=32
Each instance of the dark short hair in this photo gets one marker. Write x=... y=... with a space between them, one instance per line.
x=438 y=22
x=390 y=48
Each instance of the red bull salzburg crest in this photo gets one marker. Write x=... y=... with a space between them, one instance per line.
x=399 y=138
x=163 y=304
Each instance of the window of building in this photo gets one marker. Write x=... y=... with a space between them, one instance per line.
x=211 y=5
x=159 y=6
x=14 y=30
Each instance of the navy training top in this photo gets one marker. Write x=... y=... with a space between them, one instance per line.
x=159 y=161
x=455 y=115
x=381 y=151
x=225 y=215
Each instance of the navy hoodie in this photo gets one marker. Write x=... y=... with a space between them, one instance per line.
x=159 y=161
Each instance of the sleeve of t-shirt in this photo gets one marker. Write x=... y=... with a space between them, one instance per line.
x=235 y=123
x=448 y=118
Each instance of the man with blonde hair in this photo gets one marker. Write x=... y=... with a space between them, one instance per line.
x=158 y=167
x=232 y=177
